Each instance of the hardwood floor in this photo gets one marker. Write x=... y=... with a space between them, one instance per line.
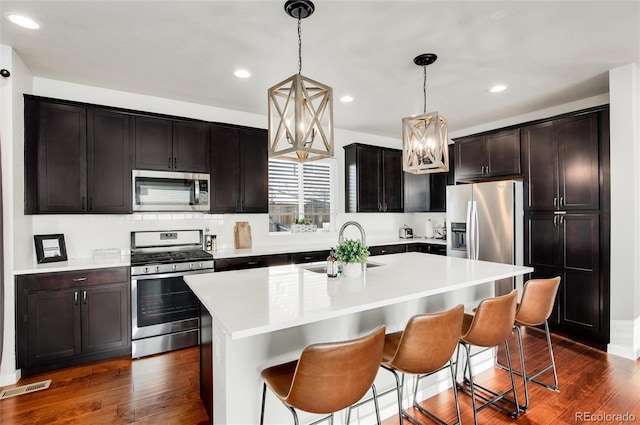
x=164 y=389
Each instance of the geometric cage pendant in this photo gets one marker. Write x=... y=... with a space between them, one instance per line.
x=300 y=120
x=424 y=144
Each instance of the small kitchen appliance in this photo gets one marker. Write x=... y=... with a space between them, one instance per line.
x=164 y=311
x=406 y=232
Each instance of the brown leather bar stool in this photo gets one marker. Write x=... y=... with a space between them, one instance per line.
x=425 y=347
x=534 y=309
x=328 y=377
x=490 y=326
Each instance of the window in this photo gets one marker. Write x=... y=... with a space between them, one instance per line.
x=298 y=191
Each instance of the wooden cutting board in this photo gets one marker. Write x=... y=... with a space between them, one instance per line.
x=242 y=233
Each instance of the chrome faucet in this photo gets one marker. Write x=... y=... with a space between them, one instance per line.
x=352 y=223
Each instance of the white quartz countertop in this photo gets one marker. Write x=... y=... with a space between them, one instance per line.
x=285 y=248
x=257 y=301
x=33 y=267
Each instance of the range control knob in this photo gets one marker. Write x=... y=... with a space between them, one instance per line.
x=191 y=266
x=201 y=266
x=157 y=269
x=174 y=267
x=145 y=270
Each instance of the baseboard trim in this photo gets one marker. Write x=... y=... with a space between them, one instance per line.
x=625 y=339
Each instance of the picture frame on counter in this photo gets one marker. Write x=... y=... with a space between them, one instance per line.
x=50 y=248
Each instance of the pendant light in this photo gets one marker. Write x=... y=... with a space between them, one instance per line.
x=424 y=137
x=300 y=109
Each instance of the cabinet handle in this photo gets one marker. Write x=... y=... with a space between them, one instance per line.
x=561 y=220
x=242 y=205
x=175 y=162
x=82 y=203
x=84 y=297
x=385 y=206
x=384 y=251
x=253 y=263
x=237 y=205
x=308 y=257
x=488 y=168
x=379 y=206
x=169 y=163
x=90 y=203
x=555 y=221
x=75 y=298
x=561 y=201
x=79 y=279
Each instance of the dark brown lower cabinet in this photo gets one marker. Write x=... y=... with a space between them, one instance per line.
x=568 y=245
x=69 y=318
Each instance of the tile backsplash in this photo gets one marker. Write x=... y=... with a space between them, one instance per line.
x=85 y=232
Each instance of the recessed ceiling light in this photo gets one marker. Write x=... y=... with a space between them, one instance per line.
x=498 y=88
x=346 y=99
x=23 y=21
x=242 y=73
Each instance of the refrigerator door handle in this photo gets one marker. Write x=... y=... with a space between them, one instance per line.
x=474 y=243
x=469 y=231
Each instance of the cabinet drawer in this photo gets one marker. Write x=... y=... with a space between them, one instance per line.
x=226 y=264
x=76 y=278
x=387 y=249
x=309 y=257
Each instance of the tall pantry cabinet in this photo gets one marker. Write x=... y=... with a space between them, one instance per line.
x=565 y=165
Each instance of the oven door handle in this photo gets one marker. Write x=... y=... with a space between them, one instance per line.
x=165 y=275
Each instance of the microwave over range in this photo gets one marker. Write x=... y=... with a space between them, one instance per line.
x=170 y=191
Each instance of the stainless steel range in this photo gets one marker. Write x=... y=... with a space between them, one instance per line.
x=165 y=313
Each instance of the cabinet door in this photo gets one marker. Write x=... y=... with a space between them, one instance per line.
x=502 y=153
x=580 y=262
x=438 y=186
x=191 y=147
x=153 y=144
x=254 y=166
x=540 y=167
x=225 y=169
x=369 y=181
x=417 y=188
x=469 y=158
x=541 y=238
x=393 y=193
x=105 y=317
x=109 y=164
x=579 y=163
x=62 y=158
x=53 y=323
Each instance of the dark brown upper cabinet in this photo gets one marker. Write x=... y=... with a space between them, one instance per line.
x=488 y=156
x=77 y=158
x=428 y=192
x=561 y=164
x=374 y=179
x=239 y=169
x=171 y=145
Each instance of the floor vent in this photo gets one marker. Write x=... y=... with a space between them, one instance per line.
x=25 y=389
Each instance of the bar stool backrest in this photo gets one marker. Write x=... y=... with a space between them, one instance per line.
x=428 y=341
x=493 y=321
x=537 y=301
x=332 y=376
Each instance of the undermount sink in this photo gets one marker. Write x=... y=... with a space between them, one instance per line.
x=322 y=268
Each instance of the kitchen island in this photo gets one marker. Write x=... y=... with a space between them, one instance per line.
x=256 y=318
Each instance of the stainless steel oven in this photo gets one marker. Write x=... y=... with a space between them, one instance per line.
x=165 y=313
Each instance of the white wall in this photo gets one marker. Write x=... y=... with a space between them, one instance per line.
x=624 y=88
x=16 y=225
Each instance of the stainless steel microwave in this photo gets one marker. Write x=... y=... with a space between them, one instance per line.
x=170 y=191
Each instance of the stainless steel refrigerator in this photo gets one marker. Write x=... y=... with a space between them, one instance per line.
x=484 y=222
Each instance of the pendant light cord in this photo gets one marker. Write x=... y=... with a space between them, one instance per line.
x=300 y=48
x=424 y=89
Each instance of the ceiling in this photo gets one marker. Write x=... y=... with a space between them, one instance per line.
x=546 y=52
